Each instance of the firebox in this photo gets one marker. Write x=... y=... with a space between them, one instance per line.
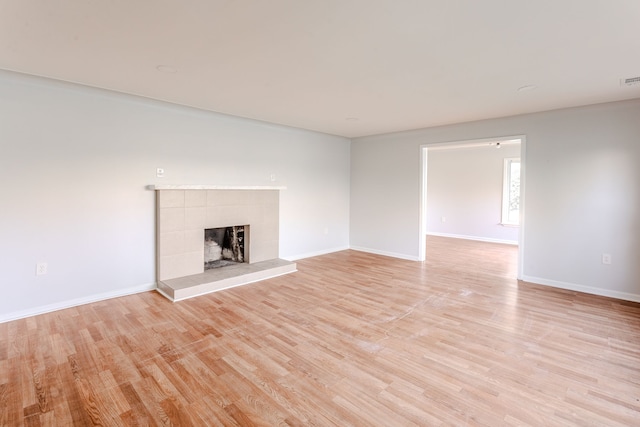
x=224 y=246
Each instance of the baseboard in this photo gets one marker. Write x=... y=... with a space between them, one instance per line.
x=479 y=239
x=75 y=302
x=385 y=253
x=581 y=288
x=318 y=253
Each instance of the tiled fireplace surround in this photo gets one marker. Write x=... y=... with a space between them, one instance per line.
x=182 y=215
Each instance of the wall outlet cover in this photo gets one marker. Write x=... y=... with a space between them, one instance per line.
x=41 y=268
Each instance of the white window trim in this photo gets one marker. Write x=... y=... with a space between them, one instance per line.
x=506 y=181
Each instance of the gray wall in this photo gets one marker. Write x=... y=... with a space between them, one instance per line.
x=74 y=165
x=582 y=185
x=75 y=162
x=464 y=185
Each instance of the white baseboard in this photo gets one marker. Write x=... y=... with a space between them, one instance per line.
x=318 y=253
x=385 y=253
x=7 y=317
x=479 y=239
x=581 y=288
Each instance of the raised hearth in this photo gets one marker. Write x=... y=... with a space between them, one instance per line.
x=223 y=278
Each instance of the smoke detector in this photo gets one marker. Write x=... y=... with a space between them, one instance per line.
x=631 y=81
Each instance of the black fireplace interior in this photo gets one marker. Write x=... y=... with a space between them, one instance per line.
x=223 y=246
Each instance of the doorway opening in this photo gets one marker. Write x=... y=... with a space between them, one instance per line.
x=474 y=190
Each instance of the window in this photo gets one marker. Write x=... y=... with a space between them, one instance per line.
x=511 y=192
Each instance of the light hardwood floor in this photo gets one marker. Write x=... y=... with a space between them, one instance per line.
x=352 y=339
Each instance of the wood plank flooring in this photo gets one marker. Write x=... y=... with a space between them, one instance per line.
x=351 y=339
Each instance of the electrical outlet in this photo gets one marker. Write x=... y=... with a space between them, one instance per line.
x=606 y=259
x=443 y=219
x=160 y=173
x=41 y=269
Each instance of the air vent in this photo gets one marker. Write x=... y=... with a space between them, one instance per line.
x=632 y=81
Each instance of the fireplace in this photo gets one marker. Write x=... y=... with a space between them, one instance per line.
x=224 y=246
x=201 y=228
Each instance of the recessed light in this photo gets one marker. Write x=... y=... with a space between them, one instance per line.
x=527 y=88
x=166 y=69
x=352 y=119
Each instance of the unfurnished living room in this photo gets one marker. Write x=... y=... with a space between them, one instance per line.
x=320 y=213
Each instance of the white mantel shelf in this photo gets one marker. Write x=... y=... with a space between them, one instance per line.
x=215 y=187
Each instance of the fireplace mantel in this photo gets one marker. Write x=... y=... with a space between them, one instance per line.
x=214 y=187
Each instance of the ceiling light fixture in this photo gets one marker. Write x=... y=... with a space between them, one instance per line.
x=527 y=88
x=166 y=69
x=352 y=119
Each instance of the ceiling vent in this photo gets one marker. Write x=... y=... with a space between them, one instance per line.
x=632 y=81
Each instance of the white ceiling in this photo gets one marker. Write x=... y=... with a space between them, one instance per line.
x=344 y=67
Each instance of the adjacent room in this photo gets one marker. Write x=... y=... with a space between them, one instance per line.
x=327 y=213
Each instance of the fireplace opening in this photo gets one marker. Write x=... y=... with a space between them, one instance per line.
x=224 y=246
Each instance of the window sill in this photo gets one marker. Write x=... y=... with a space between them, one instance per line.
x=506 y=224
